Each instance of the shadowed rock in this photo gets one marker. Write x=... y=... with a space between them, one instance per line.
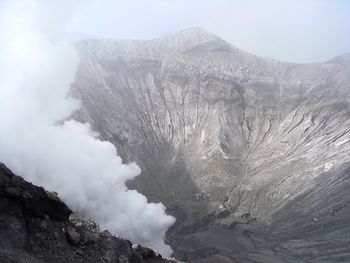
x=35 y=227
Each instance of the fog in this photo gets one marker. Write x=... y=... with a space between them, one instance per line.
x=40 y=143
x=288 y=30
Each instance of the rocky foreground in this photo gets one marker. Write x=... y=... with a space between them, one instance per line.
x=36 y=227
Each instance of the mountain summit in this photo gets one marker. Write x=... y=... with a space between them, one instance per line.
x=187 y=39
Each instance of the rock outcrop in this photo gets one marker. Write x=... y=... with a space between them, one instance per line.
x=36 y=227
x=217 y=129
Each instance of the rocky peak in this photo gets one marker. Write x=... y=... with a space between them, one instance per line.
x=187 y=39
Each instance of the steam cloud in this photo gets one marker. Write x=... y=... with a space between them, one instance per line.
x=38 y=142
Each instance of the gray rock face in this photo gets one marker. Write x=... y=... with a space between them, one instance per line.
x=214 y=128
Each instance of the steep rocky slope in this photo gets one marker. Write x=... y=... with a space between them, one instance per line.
x=35 y=227
x=218 y=130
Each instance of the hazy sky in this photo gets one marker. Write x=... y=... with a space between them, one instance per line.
x=290 y=30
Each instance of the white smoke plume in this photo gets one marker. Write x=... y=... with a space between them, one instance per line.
x=64 y=156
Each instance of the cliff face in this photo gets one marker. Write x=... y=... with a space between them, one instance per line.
x=35 y=226
x=214 y=129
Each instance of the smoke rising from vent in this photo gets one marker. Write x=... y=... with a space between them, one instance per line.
x=38 y=141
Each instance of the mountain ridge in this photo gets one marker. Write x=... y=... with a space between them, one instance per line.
x=202 y=36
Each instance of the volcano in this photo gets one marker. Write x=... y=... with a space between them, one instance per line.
x=250 y=154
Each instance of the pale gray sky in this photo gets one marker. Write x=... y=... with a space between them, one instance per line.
x=289 y=30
